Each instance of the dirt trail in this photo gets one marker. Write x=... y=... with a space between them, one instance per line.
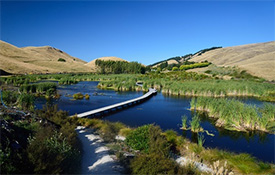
x=96 y=158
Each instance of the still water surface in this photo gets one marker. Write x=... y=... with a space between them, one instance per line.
x=166 y=112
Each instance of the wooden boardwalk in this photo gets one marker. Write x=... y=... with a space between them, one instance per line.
x=115 y=106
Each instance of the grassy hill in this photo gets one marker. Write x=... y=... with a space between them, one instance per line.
x=38 y=60
x=257 y=59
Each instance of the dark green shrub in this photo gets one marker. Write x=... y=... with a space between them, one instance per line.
x=61 y=60
x=153 y=164
x=157 y=142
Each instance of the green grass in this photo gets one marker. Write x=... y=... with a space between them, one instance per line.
x=195 y=124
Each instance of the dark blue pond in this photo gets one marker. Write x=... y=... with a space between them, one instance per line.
x=166 y=112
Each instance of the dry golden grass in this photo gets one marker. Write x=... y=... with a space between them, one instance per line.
x=38 y=60
x=257 y=59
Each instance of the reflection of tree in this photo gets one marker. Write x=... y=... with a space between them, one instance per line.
x=263 y=137
x=248 y=136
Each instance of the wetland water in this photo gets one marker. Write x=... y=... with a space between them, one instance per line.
x=166 y=112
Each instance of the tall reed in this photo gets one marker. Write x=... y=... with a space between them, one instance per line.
x=236 y=115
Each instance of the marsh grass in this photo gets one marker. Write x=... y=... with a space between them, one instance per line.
x=41 y=88
x=195 y=124
x=235 y=115
x=174 y=83
x=184 y=122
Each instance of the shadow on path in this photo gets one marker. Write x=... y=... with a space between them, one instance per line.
x=96 y=158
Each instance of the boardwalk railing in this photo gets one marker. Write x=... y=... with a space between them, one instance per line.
x=114 y=106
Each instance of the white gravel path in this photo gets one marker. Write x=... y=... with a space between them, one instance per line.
x=96 y=158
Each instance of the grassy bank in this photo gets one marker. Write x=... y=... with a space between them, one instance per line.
x=153 y=149
x=173 y=83
x=235 y=115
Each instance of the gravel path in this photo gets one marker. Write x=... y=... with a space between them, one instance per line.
x=96 y=158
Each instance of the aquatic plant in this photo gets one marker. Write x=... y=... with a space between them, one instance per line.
x=195 y=123
x=235 y=115
x=184 y=122
x=67 y=81
x=39 y=88
x=26 y=101
x=87 y=96
x=201 y=140
x=78 y=96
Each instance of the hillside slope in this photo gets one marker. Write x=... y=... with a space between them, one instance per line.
x=38 y=60
x=93 y=66
x=258 y=59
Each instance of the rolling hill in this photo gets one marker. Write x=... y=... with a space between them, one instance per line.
x=257 y=59
x=38 y=60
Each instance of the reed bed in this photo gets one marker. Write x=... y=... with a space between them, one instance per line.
x=173 y=83
x=218 y=88
x=235 y=115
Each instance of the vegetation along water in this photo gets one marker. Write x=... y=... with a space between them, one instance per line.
x=225 y=115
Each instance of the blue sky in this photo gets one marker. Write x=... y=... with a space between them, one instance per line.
x=143 y=31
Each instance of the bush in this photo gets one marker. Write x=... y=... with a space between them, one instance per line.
x=175 y=69
x=171 y=137
x=153 y=164
x=50 y=153
x=61 y=60
x=125 y=131
x=157 y=142
x=138 y=139
x=109 y=131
